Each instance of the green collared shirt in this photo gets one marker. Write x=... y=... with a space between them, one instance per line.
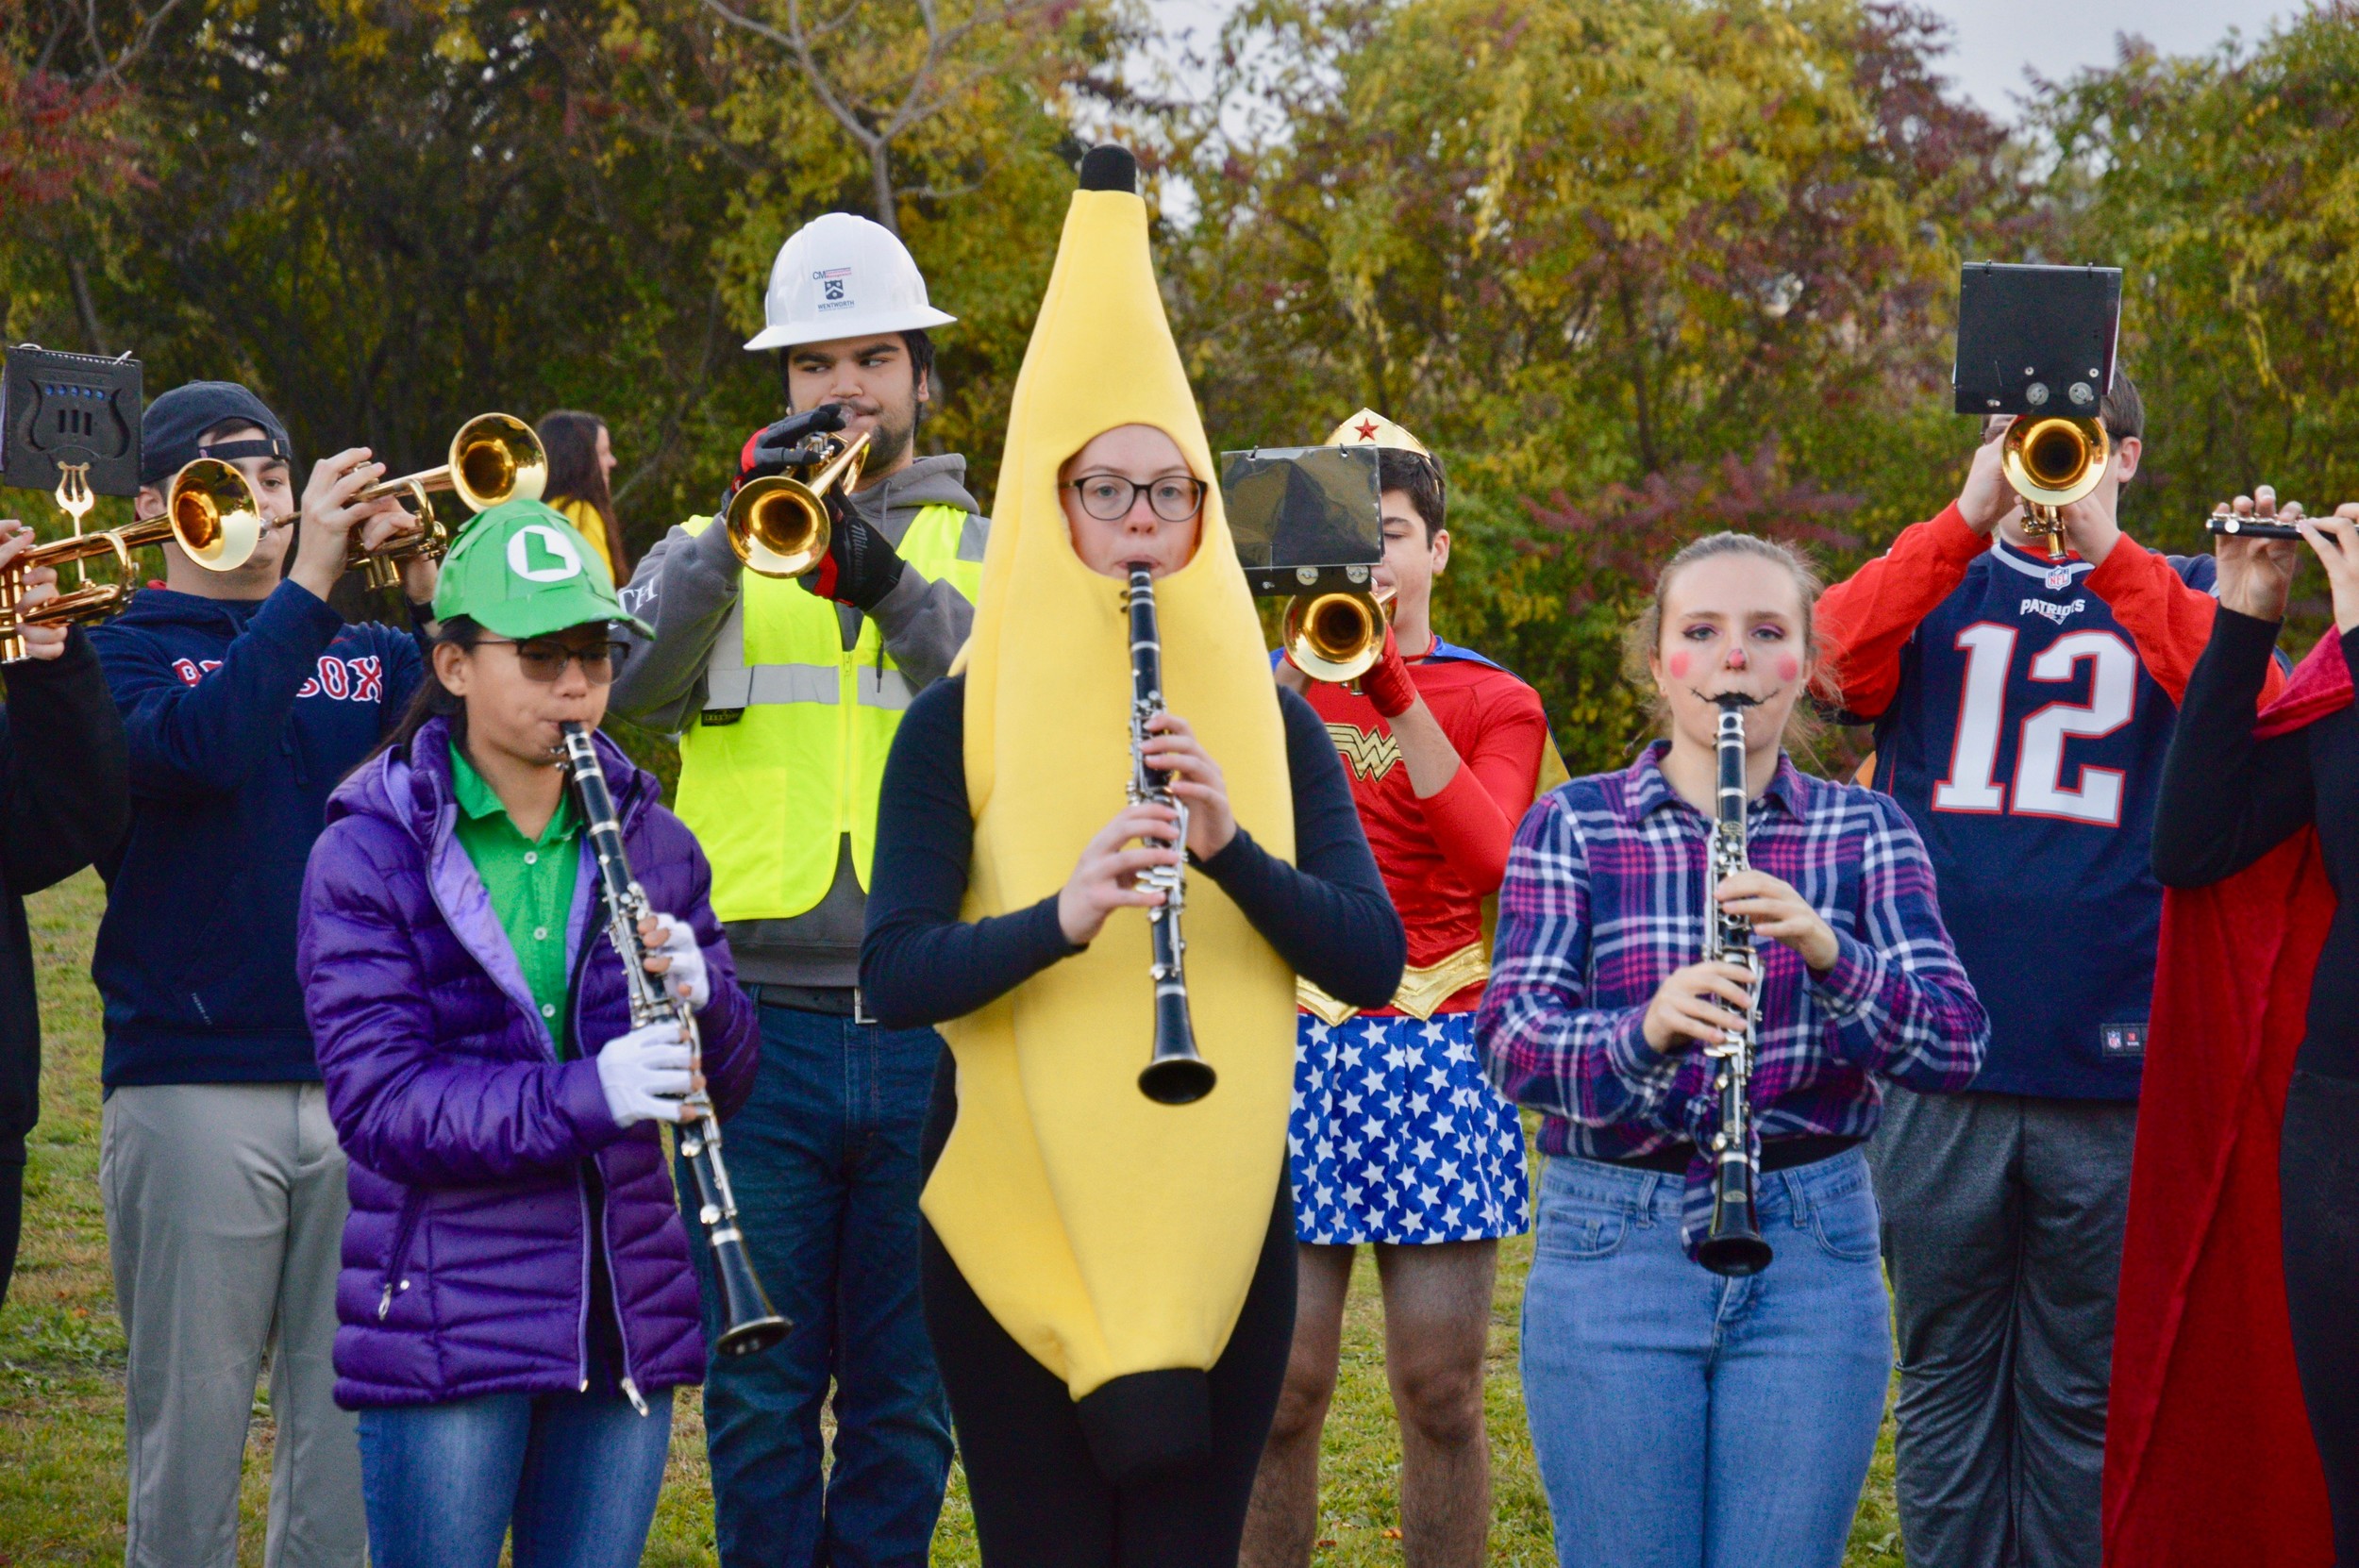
x=530 y=882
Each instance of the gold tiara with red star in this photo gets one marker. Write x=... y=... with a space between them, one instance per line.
x=1369 y=429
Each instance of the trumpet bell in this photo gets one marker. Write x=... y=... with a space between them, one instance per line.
x=778 y=527
x=215 y=519
x=2054 y=460
x=778 y=524
x=1335 y=636
x=495 y=458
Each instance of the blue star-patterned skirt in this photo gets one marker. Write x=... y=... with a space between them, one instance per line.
x=1397 y=1137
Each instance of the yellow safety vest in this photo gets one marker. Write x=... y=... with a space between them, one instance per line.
x=789 y=753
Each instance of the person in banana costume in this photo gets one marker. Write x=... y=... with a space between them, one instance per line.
x=1110 y=1280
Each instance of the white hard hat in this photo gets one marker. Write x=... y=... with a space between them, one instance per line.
x=842 y=276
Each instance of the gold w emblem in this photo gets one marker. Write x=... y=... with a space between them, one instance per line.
x=1369 y=753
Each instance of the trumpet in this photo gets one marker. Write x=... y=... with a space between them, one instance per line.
x=1337 y=635
x=493 y=459
x=778 y=524
x=2052 y=460
x=209 y=511
x=382 y=567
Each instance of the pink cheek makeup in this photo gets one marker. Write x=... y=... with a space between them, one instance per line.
x=1679 y=664
x=1788 y=666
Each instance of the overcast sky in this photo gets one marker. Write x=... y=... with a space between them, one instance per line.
x=1997 y=38
x=1994 y=39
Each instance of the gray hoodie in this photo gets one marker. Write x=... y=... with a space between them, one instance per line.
x=687 y=586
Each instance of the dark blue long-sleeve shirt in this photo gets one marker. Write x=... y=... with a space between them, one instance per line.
x=1327 y=914
x=240 y=716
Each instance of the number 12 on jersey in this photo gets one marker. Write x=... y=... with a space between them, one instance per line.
x=2039 y=788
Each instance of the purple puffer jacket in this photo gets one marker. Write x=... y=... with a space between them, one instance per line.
x=466 y=1261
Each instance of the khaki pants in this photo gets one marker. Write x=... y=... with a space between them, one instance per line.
x=225 y=1216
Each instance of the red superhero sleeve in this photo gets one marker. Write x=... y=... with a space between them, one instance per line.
x=1865 y=620
x=1473 y=817
x=2168 y=620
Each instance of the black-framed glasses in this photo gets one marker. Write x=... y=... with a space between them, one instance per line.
x=1108 y=498
x=541 y=659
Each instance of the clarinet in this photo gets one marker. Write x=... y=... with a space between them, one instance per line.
x=752 y=1323
x=1733 y=1246
x=1175 y=1074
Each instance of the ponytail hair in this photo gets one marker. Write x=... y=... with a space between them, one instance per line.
x=1643 y=637
x=435 y=700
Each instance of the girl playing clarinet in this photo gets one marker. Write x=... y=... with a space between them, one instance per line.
x=516 y=1302
x=1682 y=1418
x=1110 y=1277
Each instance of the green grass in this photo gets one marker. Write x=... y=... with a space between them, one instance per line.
x=61 y=1487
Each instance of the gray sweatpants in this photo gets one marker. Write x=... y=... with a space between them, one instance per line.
x=226 y=1218
x=2002 y=1232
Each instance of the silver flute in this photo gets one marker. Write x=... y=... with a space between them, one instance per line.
x=750 y=1323
x=1733 y=1244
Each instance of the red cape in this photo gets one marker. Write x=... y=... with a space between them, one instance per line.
x=2208 y=1458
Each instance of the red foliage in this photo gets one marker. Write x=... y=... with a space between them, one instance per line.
x=1622 y=533
x=60 y=137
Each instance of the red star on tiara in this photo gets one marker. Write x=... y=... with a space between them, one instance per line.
x=1366 y=429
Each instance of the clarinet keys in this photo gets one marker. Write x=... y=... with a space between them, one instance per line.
x=1733 y=1244
x=1174 y=1073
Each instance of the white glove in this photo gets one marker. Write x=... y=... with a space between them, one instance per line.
x=679 y=943
x=644 y=1074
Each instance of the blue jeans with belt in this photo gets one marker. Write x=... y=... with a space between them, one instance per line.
x=1682 y=1420
x=824 y=1159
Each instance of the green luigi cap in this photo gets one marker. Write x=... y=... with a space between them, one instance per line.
x=520 y=570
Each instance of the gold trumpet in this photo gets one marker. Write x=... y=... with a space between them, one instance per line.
x=2052 y=460
x=209 y=511
x=493 y=459
x=778 y=524
x=1338 y=635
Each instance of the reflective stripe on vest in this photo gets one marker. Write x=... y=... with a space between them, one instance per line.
x=772 y=791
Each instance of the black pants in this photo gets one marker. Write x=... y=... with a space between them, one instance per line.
x=1039 y=1499
x=2318 y=1175
x=11 y=1221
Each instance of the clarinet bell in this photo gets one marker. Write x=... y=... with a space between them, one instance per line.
x=754 y=1324
x=1733 y=1248
x=1175 y=1074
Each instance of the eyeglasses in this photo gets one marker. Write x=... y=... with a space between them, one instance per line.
x=1108 y=498
x=545 y=661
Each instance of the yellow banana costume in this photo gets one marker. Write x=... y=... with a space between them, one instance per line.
x=1110 y=1236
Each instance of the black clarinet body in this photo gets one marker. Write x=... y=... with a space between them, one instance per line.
x=1733 y=1246
x=1175 y=1074
x=750 y=1323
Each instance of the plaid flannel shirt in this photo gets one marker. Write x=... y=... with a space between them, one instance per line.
x=1605 y=896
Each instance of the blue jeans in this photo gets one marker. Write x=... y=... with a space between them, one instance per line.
x=824 y=1159
x=1682 y=1420
x=576 y=1475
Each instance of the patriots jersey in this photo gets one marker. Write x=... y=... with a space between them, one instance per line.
x=2026 y=742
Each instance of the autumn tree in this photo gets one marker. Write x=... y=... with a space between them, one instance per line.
x=1586 y=247
x=2226 y=185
